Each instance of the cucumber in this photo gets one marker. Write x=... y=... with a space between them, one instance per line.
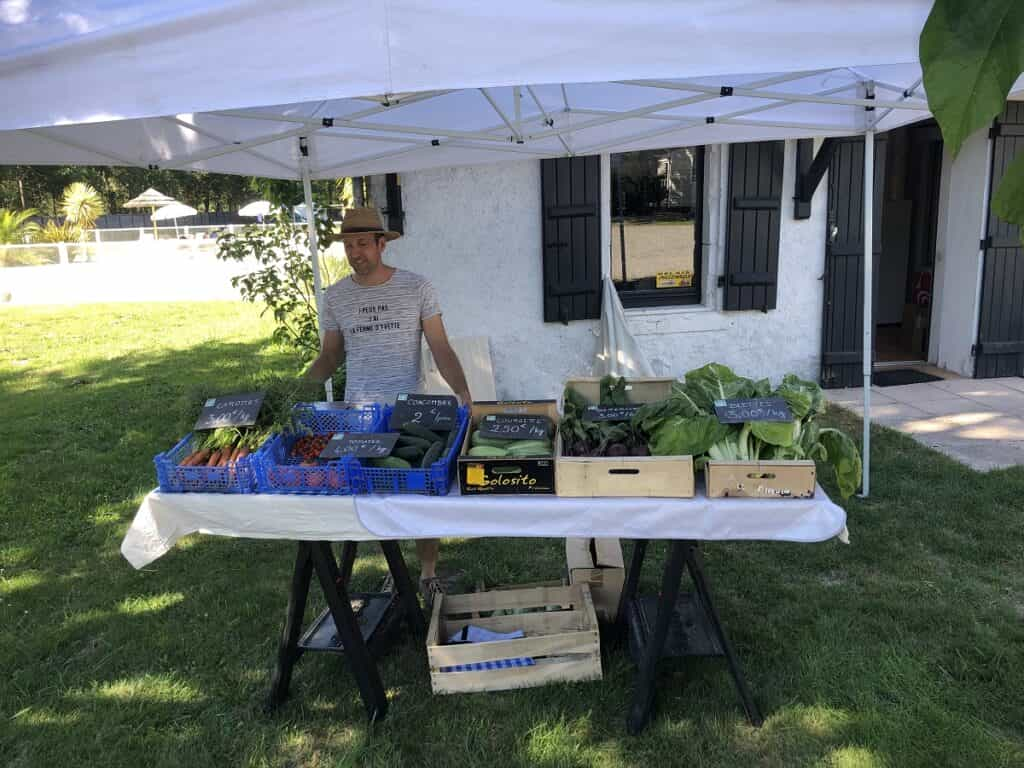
x=391 y=462
x=411 y=428
x=487 y=452
x=416 y=442
x=432 y=455
x=410 y=453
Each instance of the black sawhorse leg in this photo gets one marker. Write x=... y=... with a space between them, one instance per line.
x=712 y=642
x=317 y=557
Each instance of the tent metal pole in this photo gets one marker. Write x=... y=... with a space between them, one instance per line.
x=869 y=236
x=980 y=279
x=314 y=250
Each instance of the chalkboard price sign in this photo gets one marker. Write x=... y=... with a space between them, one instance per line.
x=505 y=426
x=361 y=445
x=436 y=412
x=740 y=410
x=230 y=411
x=610 y=412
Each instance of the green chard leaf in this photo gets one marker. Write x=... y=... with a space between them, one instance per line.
x=844 y=458
x=682 y=436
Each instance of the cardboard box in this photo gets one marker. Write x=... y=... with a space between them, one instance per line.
x=561 y=631
x=598 y=563
x=761 y=479
x=507 y=475
x=653 y=476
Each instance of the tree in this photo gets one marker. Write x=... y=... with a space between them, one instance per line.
x=972 y=52
x=17 y=226
x=81 y=205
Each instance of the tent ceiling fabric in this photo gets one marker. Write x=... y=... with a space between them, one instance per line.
x=396 y=85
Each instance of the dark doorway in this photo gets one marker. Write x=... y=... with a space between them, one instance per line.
x=908 y=168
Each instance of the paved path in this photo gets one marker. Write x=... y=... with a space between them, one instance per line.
x=979 y=422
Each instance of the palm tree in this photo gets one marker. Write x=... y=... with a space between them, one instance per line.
x=17 y=226
x=81 y=206
x=65 y=232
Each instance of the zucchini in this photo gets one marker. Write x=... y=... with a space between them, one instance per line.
x=487 y=452
x=411 y=453
x=432 y=455
x=391 y=462
x=416 y=430
x=417 y=442
x=530 y=448
x=478 y=439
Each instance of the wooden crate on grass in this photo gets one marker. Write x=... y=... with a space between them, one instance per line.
x=561 y=638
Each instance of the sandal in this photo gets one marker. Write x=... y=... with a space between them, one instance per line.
x=430 y=588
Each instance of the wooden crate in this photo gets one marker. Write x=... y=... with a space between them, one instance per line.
x=598 y=563
x=653 y=476
x=522 y=475
x=564 y=643
x=794 y=479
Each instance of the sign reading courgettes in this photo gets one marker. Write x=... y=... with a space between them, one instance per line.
x=436 y=412
x=504 y=426
x=239 y=410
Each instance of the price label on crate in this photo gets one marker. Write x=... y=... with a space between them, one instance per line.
x=230 y=411
x=361 y=445
x=739 y=410
x=610 y=412
x=436 y=412
x=504 y=426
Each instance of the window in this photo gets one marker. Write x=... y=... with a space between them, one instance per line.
x=657 y=210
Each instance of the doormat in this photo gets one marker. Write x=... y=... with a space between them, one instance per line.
x=900 y=376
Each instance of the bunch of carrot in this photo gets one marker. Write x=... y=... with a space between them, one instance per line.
x=223 y=447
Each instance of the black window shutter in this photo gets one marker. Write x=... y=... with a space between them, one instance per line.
x=571 y=209
x=755 y=212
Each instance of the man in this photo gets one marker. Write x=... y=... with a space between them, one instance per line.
x=374 y=321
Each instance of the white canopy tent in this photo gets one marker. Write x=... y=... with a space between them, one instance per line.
x=398 y=85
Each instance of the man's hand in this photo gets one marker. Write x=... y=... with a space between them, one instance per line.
x=332 y=354
x=447 y=361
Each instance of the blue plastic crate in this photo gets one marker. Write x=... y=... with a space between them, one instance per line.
x=277 y=471
x=317 y=419
x=239 y=478
x=434 y=480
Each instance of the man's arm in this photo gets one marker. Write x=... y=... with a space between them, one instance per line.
x=332 y=354
x=447 y=361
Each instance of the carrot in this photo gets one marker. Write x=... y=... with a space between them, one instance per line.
x=234 y=454
x=187 y=461
x=214 y=459
x=243 y=452
x=196 y=459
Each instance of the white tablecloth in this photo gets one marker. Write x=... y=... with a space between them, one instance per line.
x=163 y=518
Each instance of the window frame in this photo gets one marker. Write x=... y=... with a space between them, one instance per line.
x=632 y=298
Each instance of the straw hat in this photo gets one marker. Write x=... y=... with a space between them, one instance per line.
x=361 y=221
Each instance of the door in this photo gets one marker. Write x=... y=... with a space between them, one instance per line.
x=842 y=339
x=999 y=350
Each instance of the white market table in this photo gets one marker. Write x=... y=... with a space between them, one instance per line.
x=670 y=624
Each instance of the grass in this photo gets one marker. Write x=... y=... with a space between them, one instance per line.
x=905 y=648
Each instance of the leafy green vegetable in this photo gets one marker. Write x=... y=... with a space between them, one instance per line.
x=716 y=382
x=782 y=433
x=687 y=436
x=842 y=454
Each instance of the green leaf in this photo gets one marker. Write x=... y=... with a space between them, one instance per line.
x=1008 y=201
x=716 y=382
x=775 y=432
x=844 y=458
x=971 y=53
x=681 y=436
x=803 y=397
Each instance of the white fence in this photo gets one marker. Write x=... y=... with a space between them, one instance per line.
x=171 y=269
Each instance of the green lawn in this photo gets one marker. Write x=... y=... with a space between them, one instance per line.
x=904 y=649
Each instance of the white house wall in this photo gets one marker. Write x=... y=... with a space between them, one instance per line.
x=476 y=232
x=957 y=257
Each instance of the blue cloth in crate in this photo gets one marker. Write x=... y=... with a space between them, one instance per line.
x=172 y=478
x=434 y=480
